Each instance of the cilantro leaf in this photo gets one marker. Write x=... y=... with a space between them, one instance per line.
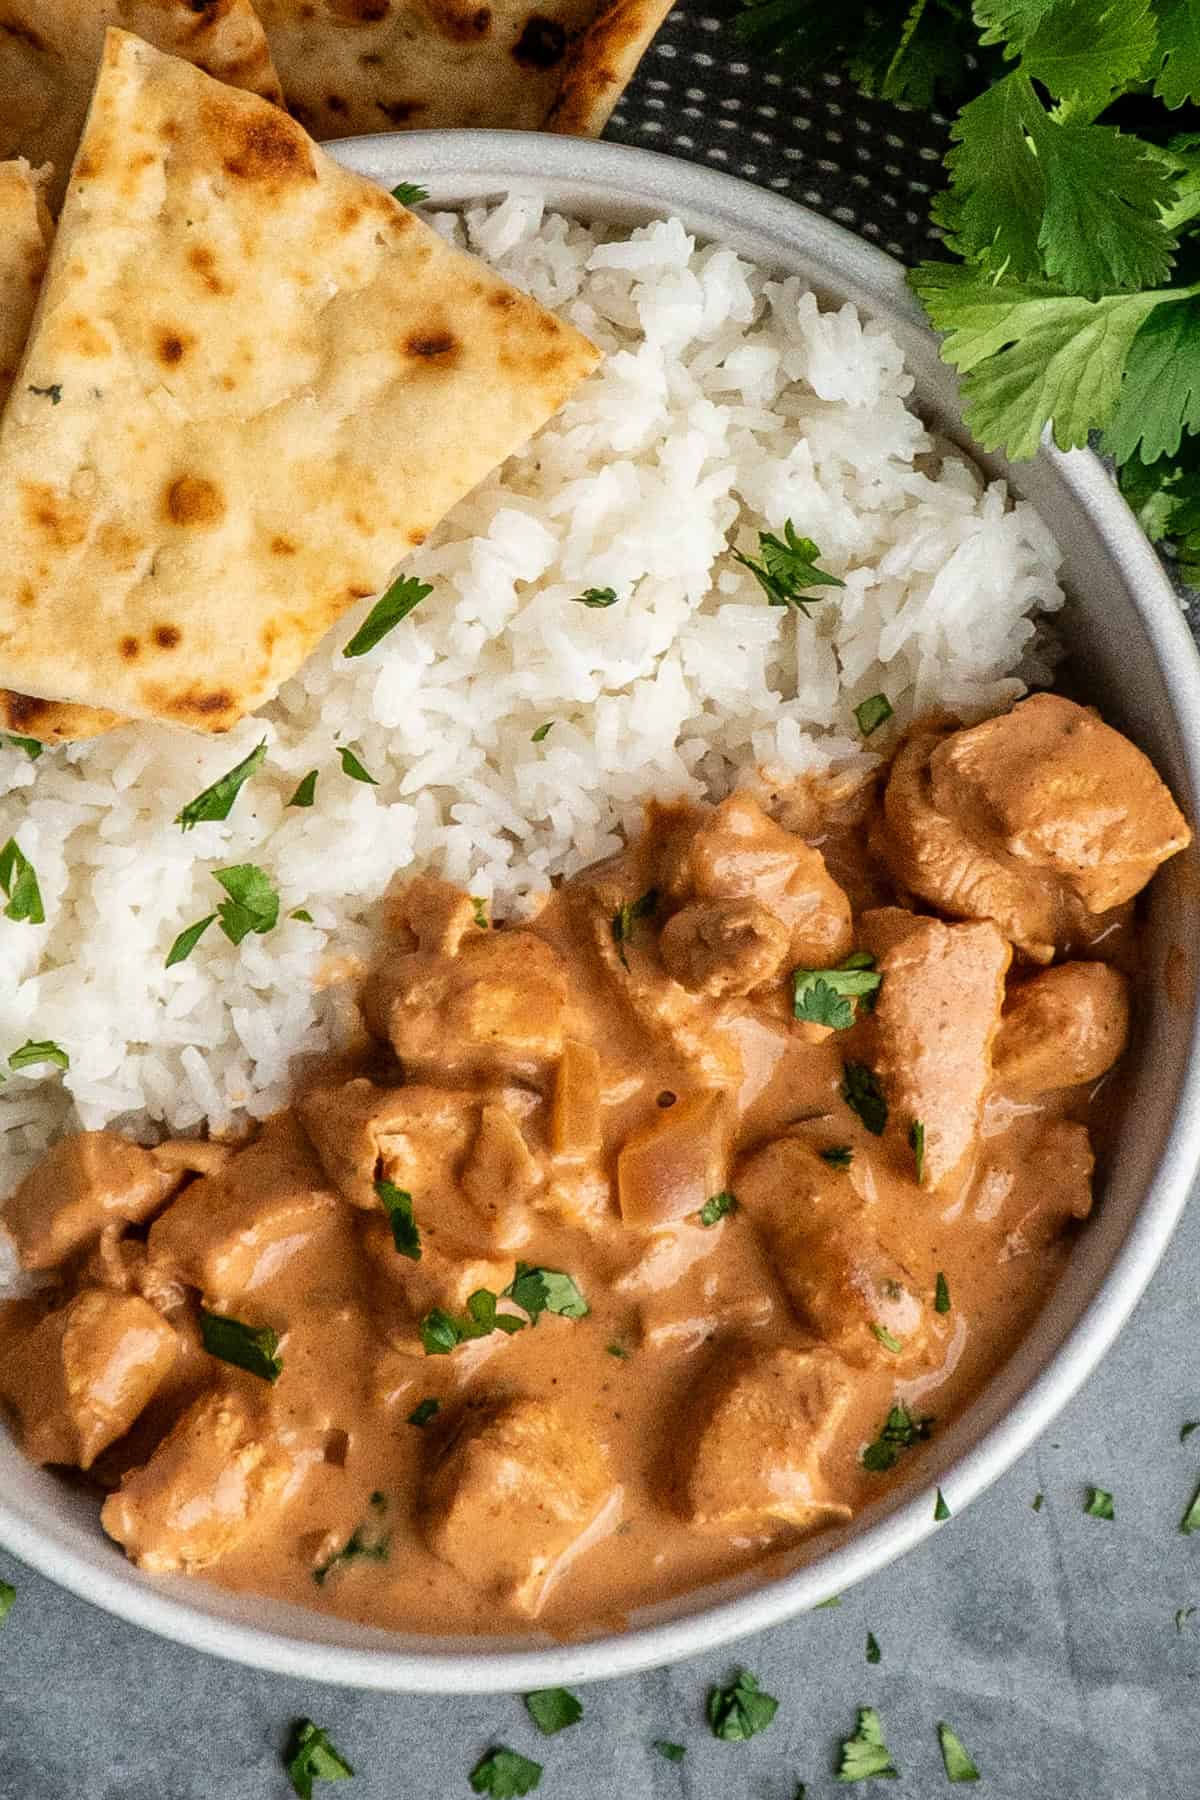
x=1190 y=1522
x=627 y=916
x=900 y=1431
x=941 y=1294
x=542 y=733
x=253 y=904
x=31 y=1055
x=19 y=884
x=397 y=1203
x=8 y=1595
x=537 y=1291
x=863 y=1095
x=1160 y=395
x=788 y=567
x=597 y=597
x=1178 y=53
x=889 y=1342
x=1099 y=1504
x=394 y=604
x=959 y=1766
x=505 y=1775
x=916 y=1143
x=440 y=1333
x=424 y=1411
x=874 y=1653
x=716 y=1208
x=408 y=193
x=1182 y=1615
x=672 y=1752
x=838 y=1156
x=740 y=1710
x=1084 y=51
x=829 y=996
x=306 y=793
x=368 y=1542
x=873 y=712
x=1187 y=1428
x=1102 y=227
x=254 y=1348
x=865 y=1756
x=216 y=802
x=187 y=940
x=32 y=748
x=929 y=55
x=553 y=1709
x=353 y=768
x=940 y=1510
x=992 y=210
x=311 y=1757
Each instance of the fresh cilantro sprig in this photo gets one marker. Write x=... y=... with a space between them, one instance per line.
x=788 y=569
x=831 y=996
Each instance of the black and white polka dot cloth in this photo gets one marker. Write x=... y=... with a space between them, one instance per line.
x=702 y=94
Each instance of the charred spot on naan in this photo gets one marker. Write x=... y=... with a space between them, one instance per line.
x=202 y=260
x=61 y=521
x=459 y=24
x=432 y=348
x=401 y=112
x=215 y=709
x=52 y=721
x=542 y=43
x=193 y=500
x=265 y=147
x=172 y=344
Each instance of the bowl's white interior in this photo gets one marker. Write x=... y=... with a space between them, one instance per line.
x=1135 y=658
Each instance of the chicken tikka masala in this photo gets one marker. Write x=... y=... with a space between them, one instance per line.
x=647 y=1236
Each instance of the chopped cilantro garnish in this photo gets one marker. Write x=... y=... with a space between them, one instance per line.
x=1038 y=1502
x=505 y=1775
x=1182 y=1615
x=1100 y=1504
x=441 y=1332
x=873 y=712
x=597 y=597
x=409 y=193
x=916 y=1143
x=900 y=1431
x=397 y=1203
x=830 y=996
x=368 y=1542
x=940 y=1509
x=838 y=1156
x=941 y=1294
x=740 y=1710
x=543 y=732
x=788 y=568
x=19 y=882
x=306 y=793
x=395 y=604
x=865 y=1756
x=627 y=916
x=31 y=1055
x=959 y=1766
x=874 y=1653
x=479 y=911
x=8 y=1595
x=863 y=1095
x=826 y=1605
x=424 y=1410
x=618 y=1350
x=302 y=914
x=553 y=1709
x=353 y=768
x=672 y=1752
x=311 y=1757
x=1186 y=1429
x=253 y=904
x=30 y=746
x=1190 y=1521
x=187 y=940
x=537 y=1291
x=254 y=1348
x=216 y=802
x=886 y=1338
x=716 y=1208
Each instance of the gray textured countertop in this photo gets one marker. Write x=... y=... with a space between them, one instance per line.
x=1047 y=1639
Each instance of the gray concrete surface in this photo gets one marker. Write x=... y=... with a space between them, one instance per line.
x=1047 y=1639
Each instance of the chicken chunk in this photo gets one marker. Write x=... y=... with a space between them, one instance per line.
x=932 y=1032
x=724 y=947
x=228 y=1234
x=761 y=1423
x=842 y=1282
x=79 y=1380
x=738 y=853
x=85 y=1182
x=1061 y=1151
x=674 y=1164
x=696 y=1282
x=404 y=1290
x=218 y=1475
x=521 y=1491
x=501 y=1178
x=431 y=915
x=496 y=1008
x=1060 y=790
x=1065 y=1026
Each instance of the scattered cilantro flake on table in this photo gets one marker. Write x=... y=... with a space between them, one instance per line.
x=672 y=1752
x=825 y=1605
x=353 y=768
x=397 y=1203
x=941 y=1294
x=1038 y=1502
x=830 y=996
x=216 y=802
x=788 y=568
x=1187 y=1428
x=306 y=793
x=553 y=1709
x=959 y=1766
x=1099 y=1504
x=405 y=593
x=740 y=1710
x=311 y=1757
x=1182 y=1615
x=8 y=1595
x=900 y=1431
x=1190 y=1521
x=19 y=884
x=717 y=1208
x=874 y=1653
x=505 y=1775
x=863 y=1094
x=865 y=1756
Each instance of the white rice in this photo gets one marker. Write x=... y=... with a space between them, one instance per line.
x=727 y=403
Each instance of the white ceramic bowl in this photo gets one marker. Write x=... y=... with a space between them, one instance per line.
x=1135 y=657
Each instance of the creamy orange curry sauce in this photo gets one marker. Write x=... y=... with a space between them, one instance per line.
x=647 y=1237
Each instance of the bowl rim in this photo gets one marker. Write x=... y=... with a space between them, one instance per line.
x=458 y=165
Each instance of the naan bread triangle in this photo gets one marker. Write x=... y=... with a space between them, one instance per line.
x=50 y=51
x=350 y=66
x=273 y=379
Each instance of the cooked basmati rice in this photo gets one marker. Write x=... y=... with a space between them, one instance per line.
x=728 y=403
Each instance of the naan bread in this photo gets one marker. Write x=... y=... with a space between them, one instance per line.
x=50 y=52
x=350 y=66
x=25 y=231
x=274 y=381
